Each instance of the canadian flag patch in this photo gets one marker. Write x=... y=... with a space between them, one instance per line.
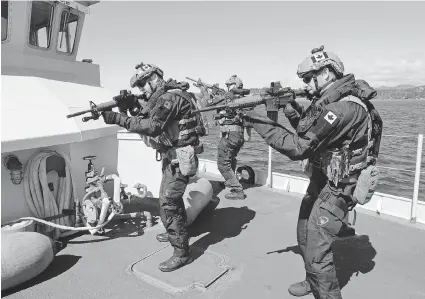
x=330 y=117
x=145 y=67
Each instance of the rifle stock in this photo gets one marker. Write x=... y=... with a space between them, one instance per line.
x=214 y=88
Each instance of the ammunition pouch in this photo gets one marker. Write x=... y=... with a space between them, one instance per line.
x=366 y=184
x=231 y=128
x=342 y=165
x=185 y=158
x=335 y=164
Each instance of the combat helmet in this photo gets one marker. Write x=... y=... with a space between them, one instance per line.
x=143 y=73
x=318 y=60
x=234 y=80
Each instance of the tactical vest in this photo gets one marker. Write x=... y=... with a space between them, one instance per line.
x=183 y=131
x=228 y=121
x=340 y=165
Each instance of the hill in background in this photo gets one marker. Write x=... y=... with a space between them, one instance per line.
x=389 y=93
x=401 y=92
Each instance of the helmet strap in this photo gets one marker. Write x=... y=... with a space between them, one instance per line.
x=319 y=89
x=150 y=85
x=159 y=82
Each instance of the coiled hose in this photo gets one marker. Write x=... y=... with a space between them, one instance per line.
x=40 y=200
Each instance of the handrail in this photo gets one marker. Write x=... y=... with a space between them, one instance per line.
x=400 y=169
x=400 y=136
x=417 y=172
x=417 y=176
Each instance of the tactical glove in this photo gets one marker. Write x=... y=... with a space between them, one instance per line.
x=241 y=114
x=110 y=117
x=291 y=114
x=123 y=111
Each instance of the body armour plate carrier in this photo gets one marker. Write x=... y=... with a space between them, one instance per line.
x=229 y=121
x=179 y=132
x=339 y=165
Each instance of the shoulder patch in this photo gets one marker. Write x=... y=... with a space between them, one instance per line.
x=164 y=107
x=168 y=104
x=330 y=117
x=326 y=124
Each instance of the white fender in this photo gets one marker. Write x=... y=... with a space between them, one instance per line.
x=198 y=194
x=24 y=255
x=19 y=226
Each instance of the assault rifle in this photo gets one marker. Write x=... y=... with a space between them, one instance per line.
x=275 y=98
x=215 y=90
x=125 y=99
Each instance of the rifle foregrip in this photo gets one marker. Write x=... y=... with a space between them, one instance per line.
x=107 y=105
x=273 y=115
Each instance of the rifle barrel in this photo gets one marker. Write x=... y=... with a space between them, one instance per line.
x=78 y=113
x=252 y=101
x=188 y=78
x=245 y=104
x=211 y=108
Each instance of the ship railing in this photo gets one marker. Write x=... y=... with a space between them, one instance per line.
x=417 y=171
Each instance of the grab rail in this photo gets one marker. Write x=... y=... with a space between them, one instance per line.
x=269 y=181
x=417 y=176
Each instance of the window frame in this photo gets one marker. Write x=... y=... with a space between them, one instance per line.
x=9 y=23
x=52 y=27
x=75 y=12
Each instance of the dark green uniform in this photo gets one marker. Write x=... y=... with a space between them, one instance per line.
x=231 y=141
x=337 y=123
x=173 y=125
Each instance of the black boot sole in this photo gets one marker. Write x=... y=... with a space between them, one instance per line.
x=299 y=295
x=161 y=240
x=173 y=269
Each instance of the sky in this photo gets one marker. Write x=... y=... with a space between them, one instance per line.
x=380 y=42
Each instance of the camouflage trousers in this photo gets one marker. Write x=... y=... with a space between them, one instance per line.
x=321 y=216
x=227 y=150
x=171 y=207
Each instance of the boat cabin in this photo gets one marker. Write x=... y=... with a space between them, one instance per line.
x=42 y=38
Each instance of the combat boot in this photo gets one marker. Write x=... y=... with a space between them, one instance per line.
x=235 y=195
x=300 y=288
x=175 y=262
x=162 y=237
x=346 y=231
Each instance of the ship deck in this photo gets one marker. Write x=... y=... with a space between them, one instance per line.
x=253 y=242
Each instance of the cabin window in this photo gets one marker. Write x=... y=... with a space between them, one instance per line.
x=41 y=24
x=4 y=19
x=67 y=32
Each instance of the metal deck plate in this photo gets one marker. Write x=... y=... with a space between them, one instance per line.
x=206 y=269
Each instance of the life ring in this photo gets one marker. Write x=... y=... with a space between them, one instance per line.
x=245 y=174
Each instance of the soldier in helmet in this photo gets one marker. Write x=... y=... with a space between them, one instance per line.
x=232 y=138
x=173 y=130
x=337 y=137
